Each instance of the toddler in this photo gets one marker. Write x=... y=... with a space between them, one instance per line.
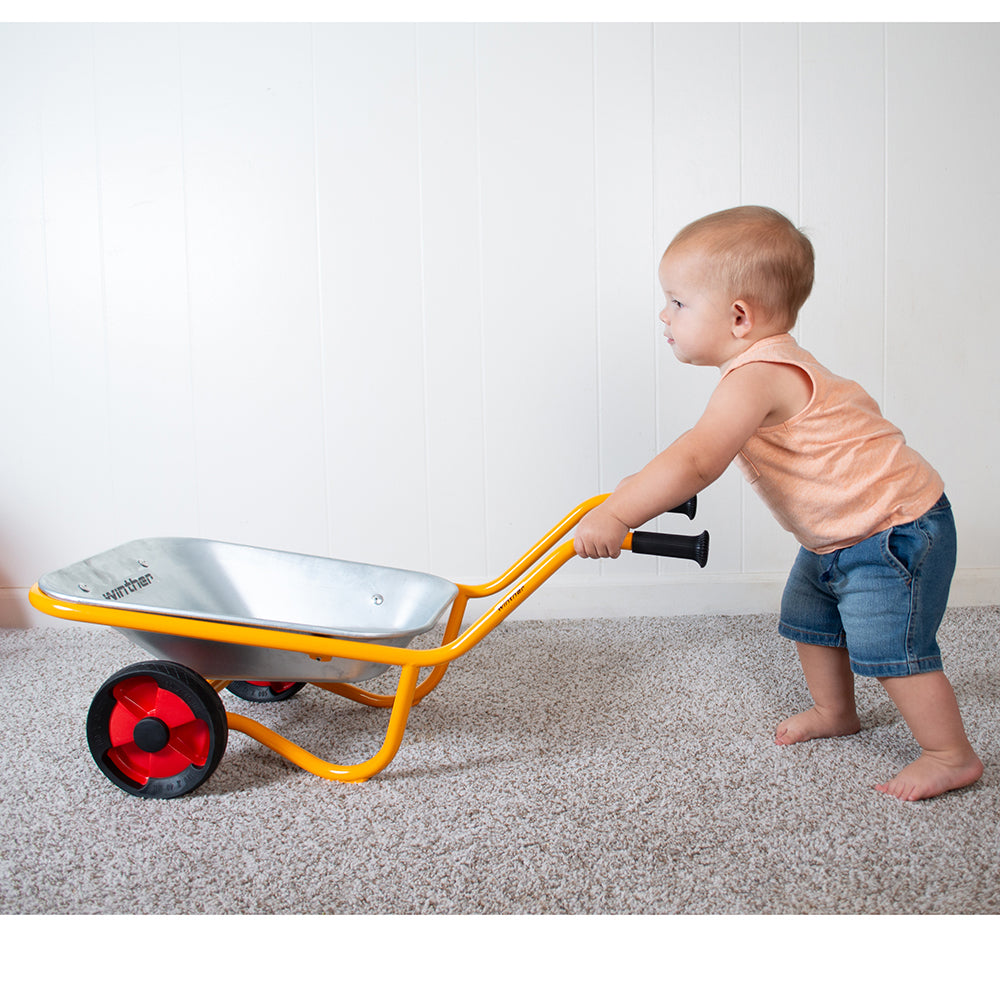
x=869 y=587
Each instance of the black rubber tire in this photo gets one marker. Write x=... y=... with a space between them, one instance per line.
x=178 y=727
x=275 y=691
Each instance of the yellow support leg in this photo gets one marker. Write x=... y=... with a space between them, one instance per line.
x=326 y=769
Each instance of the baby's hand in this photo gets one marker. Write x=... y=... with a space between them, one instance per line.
x=599 y=535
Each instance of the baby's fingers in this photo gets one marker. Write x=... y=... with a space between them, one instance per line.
x=595 y=550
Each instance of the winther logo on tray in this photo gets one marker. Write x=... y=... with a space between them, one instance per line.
x=129 y=587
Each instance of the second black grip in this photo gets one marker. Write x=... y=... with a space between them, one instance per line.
x=655 y=543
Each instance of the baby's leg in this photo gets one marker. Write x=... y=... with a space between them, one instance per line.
x=927 y=702
x=828 y=674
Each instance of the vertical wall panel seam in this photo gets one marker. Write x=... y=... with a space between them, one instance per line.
x=800 y=201
x=188 y=308
x=655 y=340
x=657 y=438
x=798 y=122
x=482 y=301
x=741 y=493
x=885 y=216
x=320 y=298
x=422 y=250
x=739 y=107
x=598 y=396
x=50 y=354
x=102 y=268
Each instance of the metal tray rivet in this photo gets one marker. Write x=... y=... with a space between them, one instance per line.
x=377 y=599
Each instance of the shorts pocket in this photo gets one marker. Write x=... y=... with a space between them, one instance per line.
x=905 y=547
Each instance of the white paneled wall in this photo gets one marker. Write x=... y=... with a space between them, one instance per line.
x=387 y=291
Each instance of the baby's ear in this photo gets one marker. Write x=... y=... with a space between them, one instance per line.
x=742 y=317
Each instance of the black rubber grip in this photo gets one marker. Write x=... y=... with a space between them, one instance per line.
x=689 y=507
x=654 y=543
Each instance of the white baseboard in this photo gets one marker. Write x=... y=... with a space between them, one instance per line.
x=721 y=594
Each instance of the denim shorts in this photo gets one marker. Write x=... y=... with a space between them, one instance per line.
x=883 y=598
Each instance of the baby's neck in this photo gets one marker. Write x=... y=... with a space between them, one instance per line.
x=745 y=343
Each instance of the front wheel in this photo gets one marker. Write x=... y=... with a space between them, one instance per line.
x=157 y=729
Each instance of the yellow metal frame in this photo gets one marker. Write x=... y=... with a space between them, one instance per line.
x=523 y=578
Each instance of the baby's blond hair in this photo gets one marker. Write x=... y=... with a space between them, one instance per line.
x=757 y=255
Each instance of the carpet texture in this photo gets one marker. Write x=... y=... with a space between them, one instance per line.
x=568 y=767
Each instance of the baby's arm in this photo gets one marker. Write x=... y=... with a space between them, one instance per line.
x=750 y=397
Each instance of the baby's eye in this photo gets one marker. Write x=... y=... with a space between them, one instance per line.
x=676 y=304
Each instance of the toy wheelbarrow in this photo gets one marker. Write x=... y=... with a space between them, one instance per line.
x=263 y=624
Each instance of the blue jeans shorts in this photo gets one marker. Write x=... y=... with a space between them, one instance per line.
x=882 y=599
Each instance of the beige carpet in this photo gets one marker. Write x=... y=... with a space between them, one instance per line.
x=593 y=767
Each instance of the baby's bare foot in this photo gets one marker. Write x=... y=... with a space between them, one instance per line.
x=815 y=724
x=932 y=775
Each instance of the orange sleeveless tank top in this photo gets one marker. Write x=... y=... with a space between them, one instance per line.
x=837 y=472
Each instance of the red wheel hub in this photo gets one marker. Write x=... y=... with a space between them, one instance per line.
x=147 y=716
